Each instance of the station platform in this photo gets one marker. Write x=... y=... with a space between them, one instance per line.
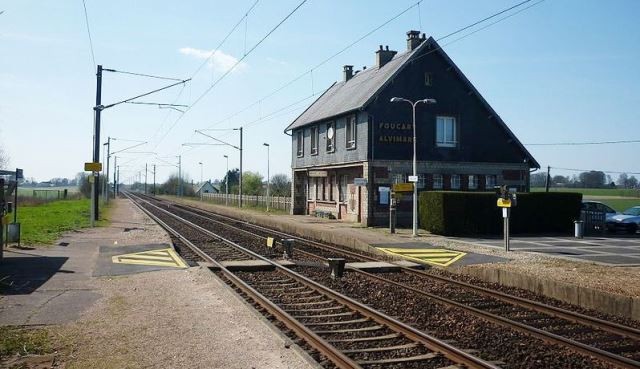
x=150 y=308
x=544 y=268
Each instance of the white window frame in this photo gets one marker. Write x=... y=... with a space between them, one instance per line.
x=351 y=132
x=314 y=140
x=438 y=181
x=399 y=178
x=490 y=181
x=455 y=181
x=331 y=142
x=300 y=143
x=474 y=183
x=422 y=181
x=442 y=133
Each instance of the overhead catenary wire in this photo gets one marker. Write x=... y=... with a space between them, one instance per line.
x=584 y=143
x=86 y=19
x=347 y=47
x=594 y=170
x=141 y=74
x=228 y=71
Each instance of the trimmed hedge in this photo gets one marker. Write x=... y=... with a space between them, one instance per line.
x=474 y=213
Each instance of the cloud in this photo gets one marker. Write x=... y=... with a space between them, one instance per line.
x=220 y=62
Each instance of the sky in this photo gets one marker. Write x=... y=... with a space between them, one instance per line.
x=558 y=71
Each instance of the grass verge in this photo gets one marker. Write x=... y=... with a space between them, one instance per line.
x=44 y=223
x=23 y=341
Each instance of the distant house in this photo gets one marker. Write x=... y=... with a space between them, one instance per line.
x=352 y=144
x=205 y=187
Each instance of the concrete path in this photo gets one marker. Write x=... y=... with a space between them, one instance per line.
x=147 y=315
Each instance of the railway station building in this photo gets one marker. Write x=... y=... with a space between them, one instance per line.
x=352 y=144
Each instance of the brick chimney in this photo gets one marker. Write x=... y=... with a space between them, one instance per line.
x=414 y=40
x=383 y=56
x=347 y=72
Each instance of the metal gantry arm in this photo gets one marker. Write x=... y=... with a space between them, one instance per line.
x=239 y=148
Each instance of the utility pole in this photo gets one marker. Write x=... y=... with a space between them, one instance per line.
x=240 y=189
x=115 y=180
x=226 y=184
x=548 y=179
x=106 y=181
x=179 y=175
x=268 y=177
x=96 y=144
x=145 y=178
x=118 y=180
x=154 y=179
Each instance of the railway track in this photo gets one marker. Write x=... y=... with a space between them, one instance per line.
x=608 y=341
x=348 y=333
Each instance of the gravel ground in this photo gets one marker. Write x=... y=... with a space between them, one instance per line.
x=173 y=319
x=618 y=280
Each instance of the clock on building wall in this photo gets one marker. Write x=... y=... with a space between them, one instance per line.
x=330 y=133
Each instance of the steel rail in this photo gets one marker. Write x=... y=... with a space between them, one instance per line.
x=452 y=353
x=315 y=341
x=533 y=305
x=575 y=317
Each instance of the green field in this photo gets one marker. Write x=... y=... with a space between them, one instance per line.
x=619 y=199
x=43 y=224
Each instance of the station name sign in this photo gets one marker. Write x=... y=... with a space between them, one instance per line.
x=317 y=173
x=395 y=132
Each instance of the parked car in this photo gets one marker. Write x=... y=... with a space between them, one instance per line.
x=597 y=206
x=628 y=221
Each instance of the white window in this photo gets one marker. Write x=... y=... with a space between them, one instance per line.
x=455 y=181
x=422 y=181
x=300 y=143
x=331 y=137
x=314 y=140
x=399 y=178
x=490 y=182
x=437 y=181
x=446 y=132
x=428 y=79
x=473 y=182
x=351 y=132
x=343 y=188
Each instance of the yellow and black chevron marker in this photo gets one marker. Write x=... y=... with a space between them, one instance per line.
x=163 y=257
x=440 y=257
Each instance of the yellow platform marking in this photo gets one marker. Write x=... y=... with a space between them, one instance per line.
x=441 y=257
x=162 y=257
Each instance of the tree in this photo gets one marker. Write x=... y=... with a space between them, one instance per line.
x=234 y=179
x=560 y=180
x=170 y=186
x=622 y=180
x=632 y=182
x=538 y=179
x=4 y=159
x=592 y=179
x=252 y=183
x=280 y=185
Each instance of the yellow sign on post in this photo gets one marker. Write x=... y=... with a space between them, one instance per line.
x=93 y=167
x=403 y=187
x=269 y=242
x=504 y=203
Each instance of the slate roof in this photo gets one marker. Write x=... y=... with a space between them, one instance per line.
x=362 y=88
x=354 y=94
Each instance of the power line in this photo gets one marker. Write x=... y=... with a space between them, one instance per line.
x=86 y=18
x=592 y=170
x=225 y=39
x=141 y=74
x=584 y=143
x=287 y=84
x=226 y=73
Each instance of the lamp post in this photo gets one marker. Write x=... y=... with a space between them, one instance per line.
x=226 y=183
x=415 y=187
x=201 y=184
x=268 y=178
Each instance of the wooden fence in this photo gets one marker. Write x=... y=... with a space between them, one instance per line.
x=275 y=202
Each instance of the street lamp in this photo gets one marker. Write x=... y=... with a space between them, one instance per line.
x=201 y=183
x=267 y=145
x=226 y=184
x=415 y=187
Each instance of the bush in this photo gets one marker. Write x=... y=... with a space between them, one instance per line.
x=473 y=213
